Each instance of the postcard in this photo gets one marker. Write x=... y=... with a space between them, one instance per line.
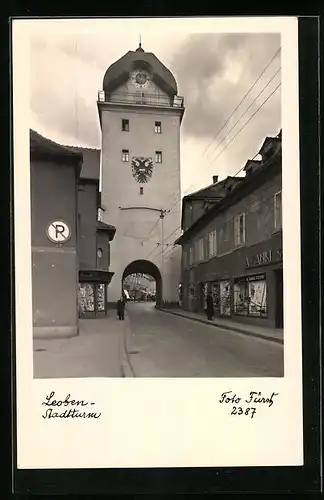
x=157 y=243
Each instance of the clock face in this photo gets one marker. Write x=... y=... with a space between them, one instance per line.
x=140 y=78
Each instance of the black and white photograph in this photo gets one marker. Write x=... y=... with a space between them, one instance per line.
x=156 y=206
x=156 y=172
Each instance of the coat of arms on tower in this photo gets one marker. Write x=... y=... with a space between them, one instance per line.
x=142 y=169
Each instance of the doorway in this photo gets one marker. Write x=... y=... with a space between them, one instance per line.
x=279 y=315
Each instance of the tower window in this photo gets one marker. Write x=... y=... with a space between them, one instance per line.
x=125 y=155
x=158 y=156
x=125 y=125
x=158 y=127
x=141 y=190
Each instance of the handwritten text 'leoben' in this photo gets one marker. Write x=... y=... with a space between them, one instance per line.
x=74 y=408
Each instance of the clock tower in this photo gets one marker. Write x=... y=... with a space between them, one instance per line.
x=140 y=116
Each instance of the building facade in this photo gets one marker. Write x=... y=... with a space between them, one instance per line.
x=54 y=173
x=140 y=115
x=94 y=239
x=234 y=249
x=70 y=245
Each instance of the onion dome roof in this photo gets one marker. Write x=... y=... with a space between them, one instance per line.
x=119 y=72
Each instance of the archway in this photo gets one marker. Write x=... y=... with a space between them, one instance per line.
x=146 y=267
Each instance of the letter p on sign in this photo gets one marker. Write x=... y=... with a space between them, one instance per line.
x=58 y=231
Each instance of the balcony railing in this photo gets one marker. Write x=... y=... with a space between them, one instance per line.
x=142 y=99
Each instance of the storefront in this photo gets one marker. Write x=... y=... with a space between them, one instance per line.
x=242 y=262
x=250 y=296
x=221 y=294
x=93 y=293
x=246 y=285
x=258 y=292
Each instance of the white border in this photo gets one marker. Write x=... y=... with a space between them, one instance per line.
x=159 y=422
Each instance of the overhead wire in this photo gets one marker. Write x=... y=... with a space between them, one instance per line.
x=168 y=211
x=236 y=123
x=246 y=123
x=247 y=109
x=239 y=131
x=242 y=100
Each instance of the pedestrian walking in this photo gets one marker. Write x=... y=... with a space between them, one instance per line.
x=121 y=308
x=209 y=307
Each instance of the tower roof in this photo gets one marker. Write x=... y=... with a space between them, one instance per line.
x=118 y=73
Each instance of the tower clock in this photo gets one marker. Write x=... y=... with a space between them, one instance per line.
x=140 y=78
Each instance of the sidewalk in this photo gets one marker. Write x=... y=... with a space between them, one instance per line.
x=271 y=334
x=98 y=351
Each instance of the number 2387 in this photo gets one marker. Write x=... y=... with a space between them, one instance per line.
x=237 y=410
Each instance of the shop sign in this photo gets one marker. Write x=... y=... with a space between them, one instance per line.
x=252 y=277
x=264 y=258
x=255 y=277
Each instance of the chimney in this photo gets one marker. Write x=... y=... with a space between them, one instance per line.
x=215 y=179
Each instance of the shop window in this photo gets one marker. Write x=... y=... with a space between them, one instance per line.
x=86 y=298
x=158 y=127
x=158 y=156
x=250 y=296
x=225 y=298
x=277 y=211
x=215 y=296
x=125 y=125
x=91 y=298
x=212 y=243
x=125 y=155
x=101 y=297
x=239 y=230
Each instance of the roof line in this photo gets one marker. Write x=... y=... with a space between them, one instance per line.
x=64 y=149
x=223 y=181
x=81 y=147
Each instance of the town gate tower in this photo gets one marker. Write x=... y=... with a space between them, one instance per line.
x=140 y=116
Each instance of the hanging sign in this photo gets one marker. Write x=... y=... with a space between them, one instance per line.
x=58 y=231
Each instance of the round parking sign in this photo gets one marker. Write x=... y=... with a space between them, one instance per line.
x=58 y=231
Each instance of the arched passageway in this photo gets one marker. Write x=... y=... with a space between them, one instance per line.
x=145 y=267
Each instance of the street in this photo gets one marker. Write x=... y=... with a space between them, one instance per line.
x=153 y=343
x=164 y=345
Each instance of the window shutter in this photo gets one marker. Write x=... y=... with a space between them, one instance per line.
x=215 y=242
x=210 y=244
x=243 y=226
x=235 y=231
x=206 y=249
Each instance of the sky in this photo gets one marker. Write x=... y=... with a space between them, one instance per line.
x=214 y=71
